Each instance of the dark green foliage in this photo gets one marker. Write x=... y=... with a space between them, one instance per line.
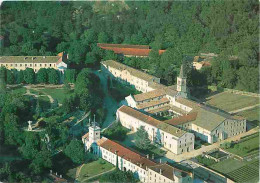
x=70 y=75
x=75 y=151
x=142 y=140
x=42 y=76
x=205 y=161
x=53 y=76
x=116 y=132
x=29 y=76
x=182 y=28
x=118 y=176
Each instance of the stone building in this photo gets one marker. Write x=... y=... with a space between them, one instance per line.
x=174 y=139
x=34 y=62
x=128 y=75
x=142 y=167
x=206 y=122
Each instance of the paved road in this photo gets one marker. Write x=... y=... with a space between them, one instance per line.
x=188 y=155
x=109 y=103
x=243 y=109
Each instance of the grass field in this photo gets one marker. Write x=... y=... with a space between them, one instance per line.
x=58 y=94
x=93 y=168
x=229 y=101
x=20 y=91
x=246 y=147
x=238 y=171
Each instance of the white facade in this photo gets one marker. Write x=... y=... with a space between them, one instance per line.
x=175 y=144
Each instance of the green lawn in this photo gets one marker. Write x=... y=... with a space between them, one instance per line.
x=238 y=171
x=246 y=147
x=252 y=115
x=58 y=93
x=229 y=101
x=20 y=91
x=96 y=167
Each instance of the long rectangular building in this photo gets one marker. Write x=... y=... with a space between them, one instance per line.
x=143 y=168
x=34 y=62
x=170 y=137
x=128 y=75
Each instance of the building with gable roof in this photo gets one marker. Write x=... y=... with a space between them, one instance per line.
x=34 y=62
x=207 y=123
x=127 y=160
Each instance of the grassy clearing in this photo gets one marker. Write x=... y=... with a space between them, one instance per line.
x=246 y=147
x=229 y=101
x=20 y=91
x=58 y=93
x=96 y=167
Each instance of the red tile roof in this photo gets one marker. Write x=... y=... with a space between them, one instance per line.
x=127 y=154
x=134 y=50
x=139 y=115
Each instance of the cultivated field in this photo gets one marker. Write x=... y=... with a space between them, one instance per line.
x=238 y=171
x=230 y=102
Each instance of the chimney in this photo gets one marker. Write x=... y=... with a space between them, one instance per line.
x=146 y=168
x=24 y=58
x=60 y=176
x=32 y=58
x=160 y=160
x=160 y=171
x=50 y=171
x=141 y=165
x=44 y=56
x=56 y=173
x=147 y=156
x=152 y=156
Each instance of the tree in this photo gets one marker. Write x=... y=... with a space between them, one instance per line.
x=53 y=76
x=75 y=151
x=116 y=132
x=142 y=140
x=70 y=75
x=67 y=87
x=20 y=77
x=31 y=146
x=42 y=76
x=41 y=161
x=103 y=37
x=10 y=77
x=29 y=76
x=118 y=176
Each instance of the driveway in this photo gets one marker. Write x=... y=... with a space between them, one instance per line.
x=109 y=103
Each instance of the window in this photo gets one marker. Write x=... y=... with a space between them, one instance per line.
x=40 y=65
x=50 y=65
x=21 y=65
x=30 y=65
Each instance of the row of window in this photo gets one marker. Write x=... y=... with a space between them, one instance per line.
x=29 y=65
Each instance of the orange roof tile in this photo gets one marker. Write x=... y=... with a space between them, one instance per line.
x=135 y=50
x=127 y=154
x=141 y=116
x=149 y=95
x=153 y=103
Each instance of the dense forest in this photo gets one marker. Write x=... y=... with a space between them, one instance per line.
x=226 y=28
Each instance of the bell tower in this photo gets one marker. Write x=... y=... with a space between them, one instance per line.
x=182 y=83
x=94 y=132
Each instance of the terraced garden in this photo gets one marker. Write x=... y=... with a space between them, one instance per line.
x=247 y=173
